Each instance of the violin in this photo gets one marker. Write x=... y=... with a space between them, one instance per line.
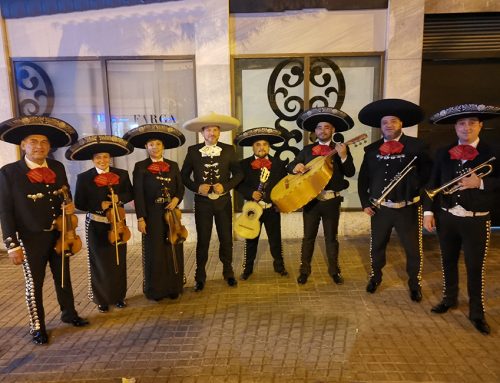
x=119 y=232
x=177 y=232
x=68 y=242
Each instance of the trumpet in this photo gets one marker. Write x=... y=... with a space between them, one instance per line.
x=393 y=183
x=452 y=186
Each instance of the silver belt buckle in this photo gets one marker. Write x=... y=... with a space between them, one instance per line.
x=459 y=211
x=97 y=218
x=326 y=195
x=213 y=195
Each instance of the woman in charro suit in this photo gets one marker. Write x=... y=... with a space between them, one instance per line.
x=107 y=274
x=157 y=187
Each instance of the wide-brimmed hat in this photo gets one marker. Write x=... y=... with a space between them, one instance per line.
x=86 y=147
x=170 y=136
x=223 y=121
x=58 y=132
x=454 y=113
x=409 y=113
x=310 y=118
x=250 y=136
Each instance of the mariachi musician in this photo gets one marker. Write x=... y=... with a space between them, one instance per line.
x=464 y=188
x=101 y=191
x=30 y=204
x=324 y=122
x=252 y=189
x=158 y=187
x=385 y=160
x=211 y=170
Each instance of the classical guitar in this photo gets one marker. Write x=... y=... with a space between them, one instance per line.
x=247 y=225
x=296 y=190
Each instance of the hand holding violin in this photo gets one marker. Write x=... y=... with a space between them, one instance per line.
x=69 y=208
x=173 y=204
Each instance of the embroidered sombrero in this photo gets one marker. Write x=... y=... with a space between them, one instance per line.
x=170 y=136
x=250 y=136
x=59 y=132
x=223 y=121
x=310 y=118
x=409 y=113
x=86 y=147
x=452 y=114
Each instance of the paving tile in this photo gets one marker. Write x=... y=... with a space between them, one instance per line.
x=268 y=329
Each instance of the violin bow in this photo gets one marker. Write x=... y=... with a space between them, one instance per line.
x=63 y=240
x=113 y=206
x=174 y=254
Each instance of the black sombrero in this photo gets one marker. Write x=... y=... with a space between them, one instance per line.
x=170 y=136
x=59 y=132
x=454 y=113
x=409 y=113
x=309 y=119
x=86 y=147
x=250 y=136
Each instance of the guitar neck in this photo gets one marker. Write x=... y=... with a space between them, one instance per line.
x=350 y=142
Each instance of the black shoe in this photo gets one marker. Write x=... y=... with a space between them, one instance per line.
x=173 y=295
x=282 y=272
x=338 y=278
x=481 y=326
x=416 y=294
x=232 y=282
x=121 y=304
x=245 y=275
x=302 y=279
x=103 y=308
x=198 y=286
x=443 y=307
x=77 y=322
x=40 y=337
x=371 y=287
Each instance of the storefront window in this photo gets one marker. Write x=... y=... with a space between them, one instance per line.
x=109 y=97
x=273 y=92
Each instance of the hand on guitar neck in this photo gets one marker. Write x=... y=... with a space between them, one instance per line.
x=340 y=149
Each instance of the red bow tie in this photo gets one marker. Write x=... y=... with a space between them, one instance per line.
x=321 y=150
x=107 y=179
x=463 y=152
x=391 y=147
x=159 y=167
x=260 y=163
x=39 y=175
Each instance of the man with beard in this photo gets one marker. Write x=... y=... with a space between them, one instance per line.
x=253 y=189
x=324 y=121
x=401 y=209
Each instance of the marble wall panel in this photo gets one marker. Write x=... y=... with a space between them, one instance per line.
x=304 y=31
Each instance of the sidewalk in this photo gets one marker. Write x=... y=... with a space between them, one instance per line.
x=268 y=329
